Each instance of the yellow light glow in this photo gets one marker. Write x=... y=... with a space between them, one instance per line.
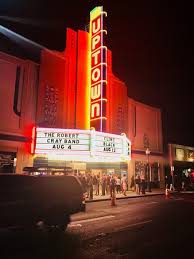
x=87 y=123
x=103 y=118
x=103 y=99
x=101 y=81
x=33 y=139
x=96 y=12
x=105 y=64
x=101 y=47
x=100 y=31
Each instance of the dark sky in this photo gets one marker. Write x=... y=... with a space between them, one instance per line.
x=152 y=44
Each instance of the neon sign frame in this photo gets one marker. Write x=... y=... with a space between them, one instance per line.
x=98 y=82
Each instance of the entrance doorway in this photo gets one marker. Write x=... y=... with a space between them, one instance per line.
x=7 y=162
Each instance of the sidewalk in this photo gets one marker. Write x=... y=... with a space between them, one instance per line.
x=130 y=194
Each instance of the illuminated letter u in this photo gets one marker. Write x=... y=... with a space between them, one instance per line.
x=96 y=26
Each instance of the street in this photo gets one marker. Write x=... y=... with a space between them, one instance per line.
x=150 y=227
x=145 y=227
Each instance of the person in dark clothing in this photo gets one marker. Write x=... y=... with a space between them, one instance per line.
x=83 y=182
x=137 y=184
x=132 y=185
x=95 y=183
x=87 y=185
x=107 y=184
x=170 y=185
x=103 y=183
x=90 y=185
x=142 y=179
x=98 y=185
x=166 y=182
x=112 y=185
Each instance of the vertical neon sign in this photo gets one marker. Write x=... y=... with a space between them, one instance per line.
x=98 y=83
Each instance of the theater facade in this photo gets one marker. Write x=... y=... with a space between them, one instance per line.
x=70 y=111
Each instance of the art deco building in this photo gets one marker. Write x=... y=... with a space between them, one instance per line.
x=56 y=93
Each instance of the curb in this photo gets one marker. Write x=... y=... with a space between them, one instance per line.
x=187 y=192
x=126 y=197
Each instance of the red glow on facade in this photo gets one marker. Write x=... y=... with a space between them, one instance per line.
x=33 y=140
x=29 y=133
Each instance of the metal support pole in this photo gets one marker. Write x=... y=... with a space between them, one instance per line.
x=149 y=170
x=171 y=164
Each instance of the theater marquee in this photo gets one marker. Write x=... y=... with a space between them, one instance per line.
x=98 y=101
x=82 y=145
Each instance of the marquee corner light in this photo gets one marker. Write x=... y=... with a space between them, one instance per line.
x=82 y=145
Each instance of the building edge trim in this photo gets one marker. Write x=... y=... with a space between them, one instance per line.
x=141 y=152
x=14 y=138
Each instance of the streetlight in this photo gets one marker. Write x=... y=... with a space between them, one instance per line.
x=148 y=170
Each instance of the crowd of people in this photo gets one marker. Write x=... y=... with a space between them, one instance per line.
x=109 y=184
x=140 y=183
x=179 y=181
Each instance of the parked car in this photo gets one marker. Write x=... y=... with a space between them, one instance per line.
x=26 y=200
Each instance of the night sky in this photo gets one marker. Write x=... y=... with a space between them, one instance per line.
x=152 y=44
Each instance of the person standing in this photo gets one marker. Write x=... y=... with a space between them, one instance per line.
x=118 y=184
x=103 y=184
x=90 y=185
x=132 y=185
x=95 y=183
x=112 y=185
x=108 y=184
x=142 y=179
x=98 y=184
x=170 y=180
x=124 y=184
x=87 y=185
x=83 y=182
x=137 y=184
x=166 y=182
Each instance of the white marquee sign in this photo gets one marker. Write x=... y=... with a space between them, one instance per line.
x=82 y=145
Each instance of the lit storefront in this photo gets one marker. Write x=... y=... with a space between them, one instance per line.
x=181 y=162
x=77 y=148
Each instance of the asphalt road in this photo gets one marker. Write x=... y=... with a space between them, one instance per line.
x=150 y=227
